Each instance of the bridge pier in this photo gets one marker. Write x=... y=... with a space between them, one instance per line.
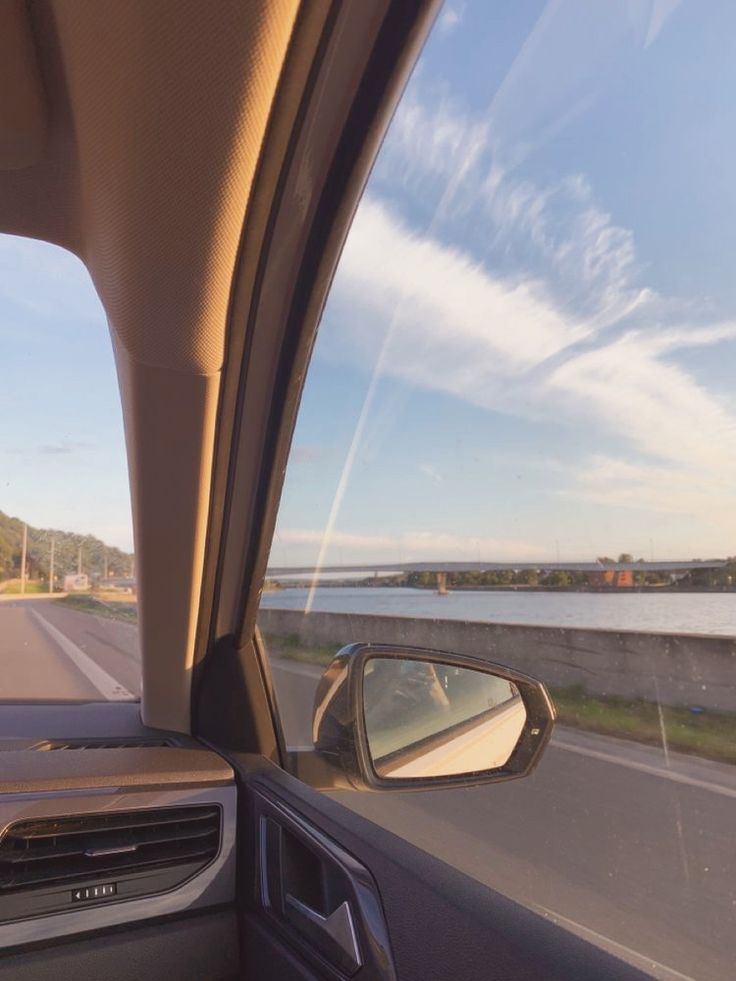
x=442 y=584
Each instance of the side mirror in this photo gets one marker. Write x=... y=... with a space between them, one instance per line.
x=404 y=718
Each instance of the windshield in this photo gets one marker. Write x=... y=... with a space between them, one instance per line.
x=67 y=569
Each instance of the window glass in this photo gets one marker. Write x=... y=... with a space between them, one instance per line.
x=518 y=439
x=67 y=574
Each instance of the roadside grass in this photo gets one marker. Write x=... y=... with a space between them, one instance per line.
x=125 y=611
x=115 y=596
x=289 y=646
x=709 y=735
x=12 y=588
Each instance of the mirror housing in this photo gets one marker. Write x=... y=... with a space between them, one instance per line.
x=342 y=757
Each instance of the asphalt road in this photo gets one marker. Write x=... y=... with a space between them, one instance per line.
x=609 y=838
x=604 y=837
x=34 y=664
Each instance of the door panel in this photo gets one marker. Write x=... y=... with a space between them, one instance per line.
x=441 y=923
x=188 y=949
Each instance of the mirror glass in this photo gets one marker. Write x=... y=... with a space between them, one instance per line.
x=429 y=719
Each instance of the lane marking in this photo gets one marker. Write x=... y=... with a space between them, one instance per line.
x=657 y=771
x=634 y=957
x=105 y=684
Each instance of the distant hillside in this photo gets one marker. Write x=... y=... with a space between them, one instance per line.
x=66 y=550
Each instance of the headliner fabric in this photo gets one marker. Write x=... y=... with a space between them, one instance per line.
x=158 y=112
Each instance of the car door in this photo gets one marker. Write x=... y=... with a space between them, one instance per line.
x=328 y=887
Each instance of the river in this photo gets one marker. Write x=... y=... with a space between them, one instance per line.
x=703 y=613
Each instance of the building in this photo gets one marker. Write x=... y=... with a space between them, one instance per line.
x=623 y=578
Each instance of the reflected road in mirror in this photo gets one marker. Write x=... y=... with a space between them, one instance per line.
x=427 y=719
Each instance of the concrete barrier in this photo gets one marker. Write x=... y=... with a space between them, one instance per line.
x=676 y=669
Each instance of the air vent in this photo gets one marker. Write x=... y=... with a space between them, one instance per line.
x=49 y=744
x=67 y=851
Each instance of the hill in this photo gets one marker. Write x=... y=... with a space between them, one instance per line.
x=66 y=551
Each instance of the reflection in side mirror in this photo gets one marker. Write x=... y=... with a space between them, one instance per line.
x=402 y=718
x=427 y=719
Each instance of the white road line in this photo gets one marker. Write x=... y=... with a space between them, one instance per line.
x=105 y=684
x=657 y=771
x=634 y=957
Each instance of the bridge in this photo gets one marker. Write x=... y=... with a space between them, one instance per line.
x=402 y=568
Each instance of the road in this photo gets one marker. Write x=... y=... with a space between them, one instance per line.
x=605 y=836
x=37 y=664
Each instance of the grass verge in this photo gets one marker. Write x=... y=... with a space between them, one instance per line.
x=126 y=612
x=12 y=588
x=710 y=735
x=289 y=646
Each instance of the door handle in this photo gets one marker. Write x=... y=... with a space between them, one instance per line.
x=338 y=926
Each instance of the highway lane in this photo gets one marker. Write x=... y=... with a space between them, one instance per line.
x=35 y=665
x=603 y=837
x=600 y=837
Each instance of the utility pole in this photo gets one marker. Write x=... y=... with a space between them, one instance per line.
x=104 y=555
x=23 y=560
x=51 y=565
x=79 y=561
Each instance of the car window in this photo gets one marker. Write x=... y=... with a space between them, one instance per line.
x=67 y=569
x=517 y=439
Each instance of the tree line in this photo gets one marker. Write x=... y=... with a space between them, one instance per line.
x=66 y=552
x=701 y=578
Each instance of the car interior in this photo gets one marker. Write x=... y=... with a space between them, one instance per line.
x=204 y=160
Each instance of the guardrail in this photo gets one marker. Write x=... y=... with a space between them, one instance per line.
x=674 y=669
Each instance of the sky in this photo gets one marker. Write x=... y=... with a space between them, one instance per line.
x=62 y=451
x=528 y=349
x=527 y=352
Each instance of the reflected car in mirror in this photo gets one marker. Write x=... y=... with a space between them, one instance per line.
x=400 y=718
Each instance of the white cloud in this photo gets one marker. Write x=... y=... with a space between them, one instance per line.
x=450 y=18
x=407 y=546
x=458 y=328
x=630 y=391
x=429 y=471
x=544 y=310
x=439 y=143
x=535 y=315
x=684 y=499
x=504 y=344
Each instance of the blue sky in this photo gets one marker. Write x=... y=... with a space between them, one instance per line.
x=528 y=349
x=529 y=344
x=62 y=453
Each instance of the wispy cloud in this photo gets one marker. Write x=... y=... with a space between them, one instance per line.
x=408 y=546
x=464 y=275
x=61 y=449
x=429 y=471
x=450 y=17
x=673 y=489
x=564 y=327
